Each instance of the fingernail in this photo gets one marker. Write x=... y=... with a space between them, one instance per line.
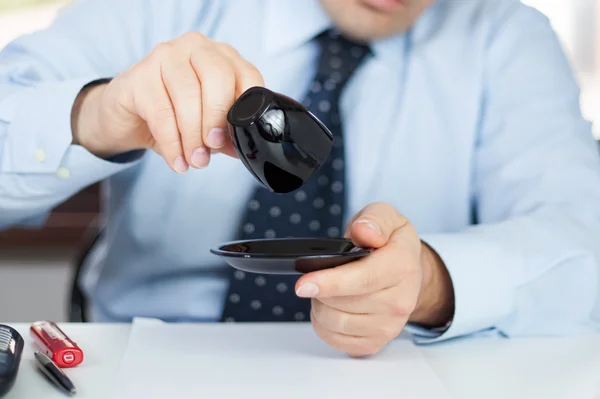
x=369 y=224
x=180 y=165
x=216 y=138
x=307 y=290
x=201 y=157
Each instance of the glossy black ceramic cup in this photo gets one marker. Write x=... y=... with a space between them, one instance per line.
x=280 y=142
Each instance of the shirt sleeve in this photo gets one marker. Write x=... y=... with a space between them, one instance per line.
x=530 y=264
x=40 y=76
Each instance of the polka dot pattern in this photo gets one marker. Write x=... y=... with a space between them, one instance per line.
x=314 y=225
x=337 y=187
x=281 y=287
x=277 y=310
x=300 y=196
x=324 y=106
x=335 y=77
x=335 y=63
x=249 y=228
x=275 y=211
x=314 y=210
x=316 y=88
x=335 y=48
x=295 y=218
x=329 y=85
x=319 y=203
x=254 y=205
x=239 y=275
x=323 y=180
x=337 y=164
x=300 y=316
x=335 y=209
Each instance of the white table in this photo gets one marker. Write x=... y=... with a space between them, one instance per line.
x=474 y=368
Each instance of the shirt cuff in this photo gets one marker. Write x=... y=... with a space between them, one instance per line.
x=482 y=285
x=39 y=133
x=420 y=333
x=38 y=139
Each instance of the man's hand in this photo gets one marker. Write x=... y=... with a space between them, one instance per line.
x=361 y=306
x=174 y=101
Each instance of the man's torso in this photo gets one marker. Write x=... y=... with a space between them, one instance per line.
x=409 y=141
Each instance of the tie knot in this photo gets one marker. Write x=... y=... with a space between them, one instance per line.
x=339 y=58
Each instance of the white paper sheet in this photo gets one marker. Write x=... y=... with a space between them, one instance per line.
x=264 y=361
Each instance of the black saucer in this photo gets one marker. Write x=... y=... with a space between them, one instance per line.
x=289 y=255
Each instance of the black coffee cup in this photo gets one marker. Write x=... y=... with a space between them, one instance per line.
x=280 y=142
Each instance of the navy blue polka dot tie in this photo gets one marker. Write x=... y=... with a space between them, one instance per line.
x=314 y=210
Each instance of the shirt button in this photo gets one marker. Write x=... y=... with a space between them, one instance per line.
x=40 y=155
x=63 y=173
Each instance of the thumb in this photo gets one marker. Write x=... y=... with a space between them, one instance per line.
x=373 y=226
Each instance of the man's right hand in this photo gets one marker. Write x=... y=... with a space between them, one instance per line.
x=174 y=101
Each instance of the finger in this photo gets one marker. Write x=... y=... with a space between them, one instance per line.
x=184 y=90
x=153 y=104
x=229 y=150
x=247 y=75
x=354 y=346
x=397 y=301
x=154 y=147
x=381 y=327
x=375 y=225
x=217 y=79
x=384 y=268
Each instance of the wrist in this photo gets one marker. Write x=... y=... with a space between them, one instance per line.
x=435 y=306
x=85 y=119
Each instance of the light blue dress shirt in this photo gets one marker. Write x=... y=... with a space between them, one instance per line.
x=469 y=125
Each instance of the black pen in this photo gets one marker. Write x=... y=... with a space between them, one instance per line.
x=55 y=374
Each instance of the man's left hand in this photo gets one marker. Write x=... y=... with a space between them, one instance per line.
x=358 y=308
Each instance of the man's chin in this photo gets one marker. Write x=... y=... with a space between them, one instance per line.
x=367 y=20
x=384 y=6
x=371 y=27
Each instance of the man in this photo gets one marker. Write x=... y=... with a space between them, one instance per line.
x=460 y=156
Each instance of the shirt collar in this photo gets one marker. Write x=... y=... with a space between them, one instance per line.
x=289 y=24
